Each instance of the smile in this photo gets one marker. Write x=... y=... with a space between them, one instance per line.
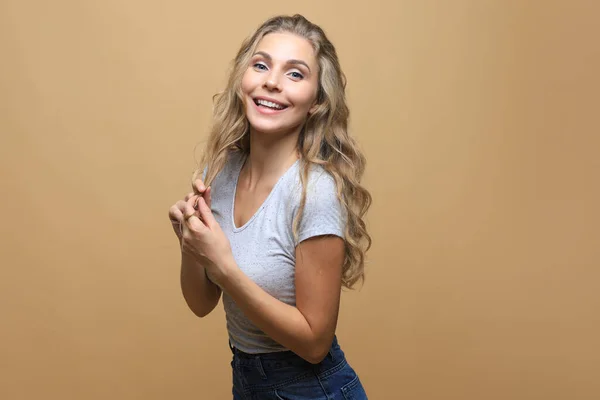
x=268 y=104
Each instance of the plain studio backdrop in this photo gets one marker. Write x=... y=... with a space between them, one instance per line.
x=479 y=120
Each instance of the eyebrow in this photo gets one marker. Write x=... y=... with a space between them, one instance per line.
x=292 y=61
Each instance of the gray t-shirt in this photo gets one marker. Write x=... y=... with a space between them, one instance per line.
x=264 y=248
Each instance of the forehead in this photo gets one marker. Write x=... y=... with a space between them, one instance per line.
x=287 y=46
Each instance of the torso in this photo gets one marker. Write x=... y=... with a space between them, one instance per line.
x=258 y=225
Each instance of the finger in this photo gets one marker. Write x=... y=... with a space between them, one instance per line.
x=205 y=213
x=191 y=216
x=194 y=223
x=181 y=204
x=185 y=230
x=188 y=208
x=175 y=214
x=198 y=186
x=189 y=196
x=208 y=197
x=195 y=202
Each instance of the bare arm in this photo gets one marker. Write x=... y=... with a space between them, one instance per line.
x=201 y=295
x=307 y=329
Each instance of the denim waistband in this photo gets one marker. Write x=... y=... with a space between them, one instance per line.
x=277 y=360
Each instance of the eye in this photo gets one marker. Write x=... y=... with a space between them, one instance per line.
x=260 y=66
x=296 y=75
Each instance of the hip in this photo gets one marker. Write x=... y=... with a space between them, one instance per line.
x=286 y=376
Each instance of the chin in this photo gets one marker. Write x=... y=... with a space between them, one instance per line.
x=267 y=129
x=268 y=126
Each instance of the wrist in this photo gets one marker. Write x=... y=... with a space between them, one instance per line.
x=226 y=271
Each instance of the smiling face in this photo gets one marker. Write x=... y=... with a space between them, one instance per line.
x=280 y=84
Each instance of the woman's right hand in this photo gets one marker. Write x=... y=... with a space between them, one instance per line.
x=176 y=212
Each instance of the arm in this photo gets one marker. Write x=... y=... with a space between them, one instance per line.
x=307 y=329
x=201 y=295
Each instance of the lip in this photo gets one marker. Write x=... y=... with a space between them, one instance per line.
x=264 y=110
x=272 y=100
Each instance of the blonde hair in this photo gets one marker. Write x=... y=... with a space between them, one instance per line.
x=324 y=139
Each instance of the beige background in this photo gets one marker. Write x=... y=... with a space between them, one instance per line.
x=480 y=123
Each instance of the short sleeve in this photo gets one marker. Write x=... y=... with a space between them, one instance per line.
x=323 y=213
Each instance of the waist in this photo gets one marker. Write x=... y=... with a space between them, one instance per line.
x=245 y=335
x=282 y=359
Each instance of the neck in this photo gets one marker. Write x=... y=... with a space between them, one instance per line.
x=269 y=157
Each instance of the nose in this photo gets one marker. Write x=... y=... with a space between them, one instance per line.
x=272 y=83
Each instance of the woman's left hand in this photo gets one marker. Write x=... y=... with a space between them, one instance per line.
x=204 y=239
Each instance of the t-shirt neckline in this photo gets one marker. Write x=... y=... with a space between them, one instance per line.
x=264 y=204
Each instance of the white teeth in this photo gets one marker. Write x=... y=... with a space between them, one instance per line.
x=270 y=104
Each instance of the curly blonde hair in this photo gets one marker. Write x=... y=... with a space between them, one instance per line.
x=324 y=139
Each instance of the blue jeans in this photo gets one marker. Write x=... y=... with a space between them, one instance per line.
x=286 y=376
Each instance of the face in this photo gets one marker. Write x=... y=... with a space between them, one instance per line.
x=280 y=84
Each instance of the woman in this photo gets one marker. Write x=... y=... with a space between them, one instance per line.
x=282 y=230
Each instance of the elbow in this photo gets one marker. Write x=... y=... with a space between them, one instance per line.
x=201 y=307
x=200 y=310
x=316 y=359
x=317 y=353
x=318 y=347
x=201 y=313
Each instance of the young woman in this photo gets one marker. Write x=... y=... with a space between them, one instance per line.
x=275 y=224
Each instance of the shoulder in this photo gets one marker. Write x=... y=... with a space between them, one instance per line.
x=230 y=169
x=320 y=185
x=323 y=213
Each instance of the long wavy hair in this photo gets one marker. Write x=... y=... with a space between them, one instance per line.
x=324 y=139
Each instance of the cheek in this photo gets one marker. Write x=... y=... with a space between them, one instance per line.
x=305 y=98
x=247 y=83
